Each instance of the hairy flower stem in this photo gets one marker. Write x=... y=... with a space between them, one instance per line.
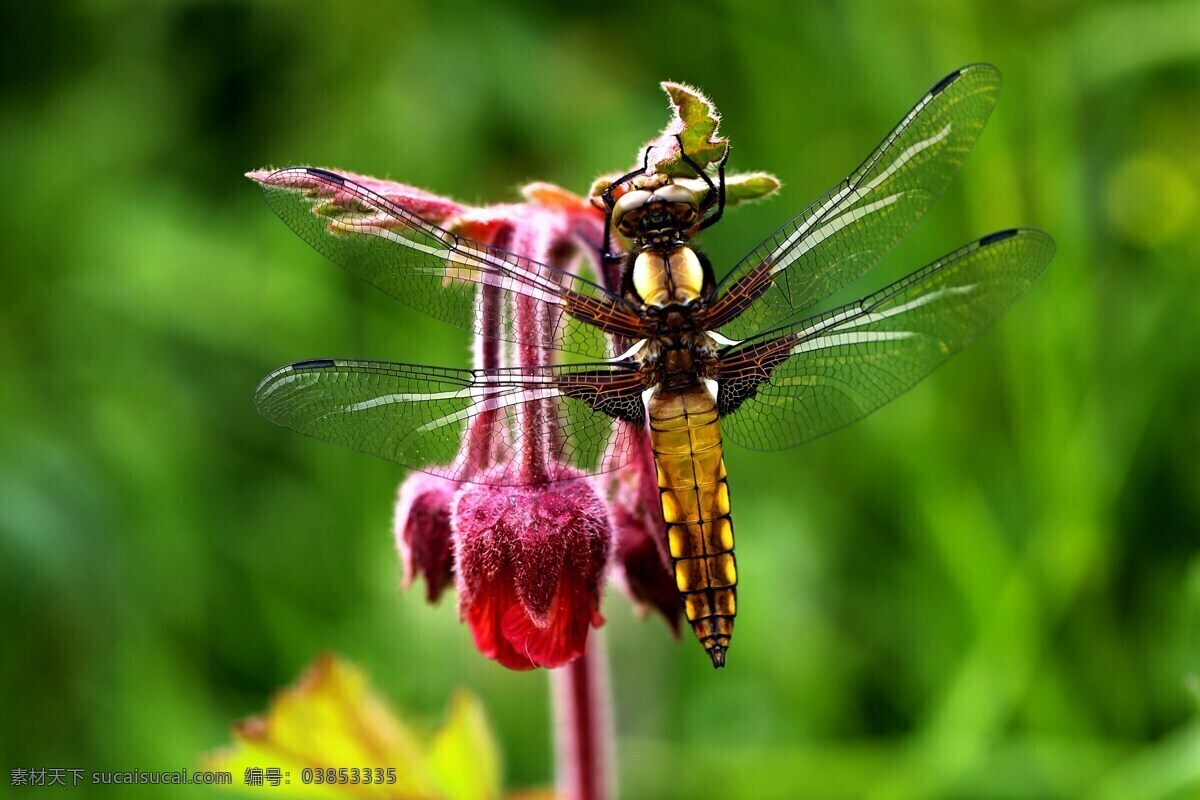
x=582 y=699
x=583 y=725
x=534 y=447
x=481 y=435
x=488 y=349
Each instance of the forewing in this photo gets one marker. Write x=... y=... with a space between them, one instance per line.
x=436 y=271
x=468 y=425
x=843 y=234
x=794 y=384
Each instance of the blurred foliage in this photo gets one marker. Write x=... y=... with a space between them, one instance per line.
x=989 y=589
x=332 y=720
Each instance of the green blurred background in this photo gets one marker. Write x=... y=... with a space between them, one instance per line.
x=989 y=589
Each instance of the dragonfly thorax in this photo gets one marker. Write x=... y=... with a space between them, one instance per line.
x=683 y=359
x=668 y=276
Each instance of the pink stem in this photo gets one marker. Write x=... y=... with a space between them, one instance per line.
x=487 y=355
x=482 y=444
x=583 y=727
x=532 y=414
x=481 y=433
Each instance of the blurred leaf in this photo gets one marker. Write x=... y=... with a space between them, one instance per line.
x=332 y=718
x=1151 y=199
x=1191 y=684
x=463 y=759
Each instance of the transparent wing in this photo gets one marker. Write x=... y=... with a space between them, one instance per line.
x=843 y=234
x=480 y=426
x=794 y=384
x=436 y=271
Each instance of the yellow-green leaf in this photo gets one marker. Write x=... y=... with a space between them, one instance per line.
x=696 y=121
x=331 y=718
x=739 y=188
x=464 y=761
x=749 y=186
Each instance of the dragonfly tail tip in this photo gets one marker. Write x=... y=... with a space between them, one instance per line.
x=717 y=653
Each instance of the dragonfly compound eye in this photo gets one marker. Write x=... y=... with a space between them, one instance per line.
x=677 y=194
x=630 y=201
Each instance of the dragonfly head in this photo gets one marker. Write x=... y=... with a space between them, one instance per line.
x=656 y=211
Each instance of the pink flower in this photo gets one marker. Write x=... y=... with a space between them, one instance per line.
x=428 y=206
x=529 y=560
x=531 y=563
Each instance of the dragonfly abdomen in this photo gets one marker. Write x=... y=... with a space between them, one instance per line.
x=686 y=438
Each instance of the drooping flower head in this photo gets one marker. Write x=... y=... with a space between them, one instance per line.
x=529 y=560
x=531 y=563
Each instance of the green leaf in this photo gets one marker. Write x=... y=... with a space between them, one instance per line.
x=696 y=121
x=740 y=188
x=749 y=186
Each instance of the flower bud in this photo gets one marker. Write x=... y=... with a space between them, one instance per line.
x=422 y=528
x=531 y=562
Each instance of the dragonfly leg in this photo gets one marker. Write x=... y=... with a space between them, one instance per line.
x=718 y=189
x=610 y=203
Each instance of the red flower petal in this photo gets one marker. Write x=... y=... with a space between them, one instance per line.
x=486 y=617
x=564 y=636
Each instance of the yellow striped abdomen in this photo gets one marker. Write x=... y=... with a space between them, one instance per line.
x=686 y=438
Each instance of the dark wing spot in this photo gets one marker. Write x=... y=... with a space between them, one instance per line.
x=314 y=363
x=944 y=82
x=326 y=174
x=998 y=236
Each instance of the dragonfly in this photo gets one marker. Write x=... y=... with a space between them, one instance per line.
x=743 y=358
